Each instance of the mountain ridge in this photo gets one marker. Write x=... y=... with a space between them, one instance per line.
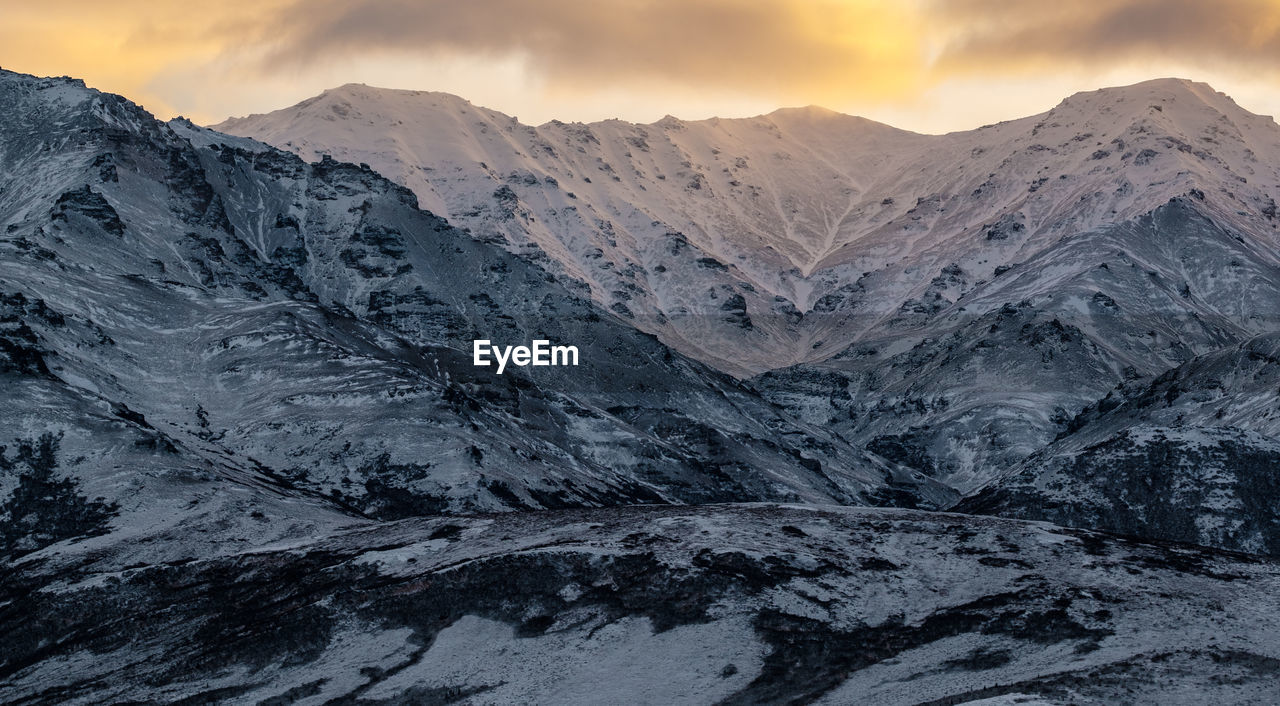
x=830 y=210
x=1171 y=84
x=301 y=290
x=1129 y=229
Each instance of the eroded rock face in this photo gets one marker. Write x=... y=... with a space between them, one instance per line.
x=977 y=388
x=747 y=604
x=44 y=509
x=1188 y=456
x=1217 y=487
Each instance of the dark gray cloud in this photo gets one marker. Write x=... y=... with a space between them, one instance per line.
x=1239 y=33
x=781 y=51
x=781 y=46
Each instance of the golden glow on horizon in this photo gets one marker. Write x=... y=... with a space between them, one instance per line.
x=926 y=65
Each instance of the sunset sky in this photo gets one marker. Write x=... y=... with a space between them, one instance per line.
x=930 y=66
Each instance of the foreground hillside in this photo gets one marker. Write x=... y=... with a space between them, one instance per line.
x=715 y=604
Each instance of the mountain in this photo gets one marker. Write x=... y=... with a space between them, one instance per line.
x=308 y=326
x=948 y=302
x=831 y=229
x=981 y=384
x=245 y=456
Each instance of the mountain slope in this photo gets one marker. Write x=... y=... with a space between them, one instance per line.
x=745 y=604
x=1191 y=456
x=946 y=301
x=824 y=225
x=306 y=328
x=1000 y=372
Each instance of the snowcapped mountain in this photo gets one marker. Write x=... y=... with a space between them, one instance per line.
x=758 y=243
x=949 y=302
x=245 y=455
x=308 y=326
x=979 y=384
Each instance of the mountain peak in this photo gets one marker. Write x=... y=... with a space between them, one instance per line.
x=1179 y=94
x=1168 y=87
x=362 y=100
x=808 y=111
x=364 y=91
x=815 y=118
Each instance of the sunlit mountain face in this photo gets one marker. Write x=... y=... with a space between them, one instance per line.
x=382 y=396
x=962 y=296
x=824 y=225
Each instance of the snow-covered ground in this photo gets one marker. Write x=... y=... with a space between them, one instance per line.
x=712 y=604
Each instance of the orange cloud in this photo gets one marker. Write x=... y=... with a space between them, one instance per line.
x=788 y=49
x=989 y=34
x=909 y=61
x=119 y=46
